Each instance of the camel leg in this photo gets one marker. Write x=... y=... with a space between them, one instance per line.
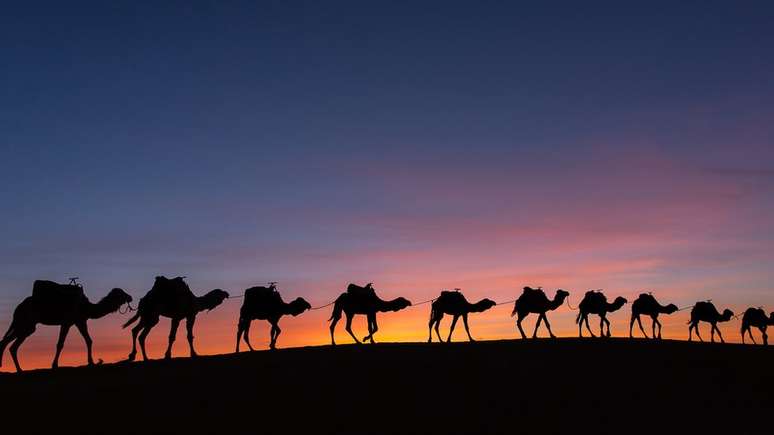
x=246 y=334
x=586 y=318
x=451 y=328
x=765 y=336
x=580 y=325
x=172 y=335
x=240 y=331
x=657 y=323
x=372 y=327
x=518 y=324
x=465 y=322
x=631 y=325
x=83 y=328
x=749 y=332
x=639 y=323
x=719 y=334
x=9 y=336
x=332 y=328
x=690 y=331
x=435 y=319
x=275 y=332
x=189 y=325
x=21 y=335
x=712 y=333
x=63 y=330
x=548 y=325
x=537 y=325
x=438 y=328
x=696 y=328
x=146 y=328
x=348 y=327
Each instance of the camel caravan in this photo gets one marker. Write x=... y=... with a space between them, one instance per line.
x=66 y=305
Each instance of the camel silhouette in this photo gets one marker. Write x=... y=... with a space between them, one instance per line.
x=706 y=312
x=454 y=304
x=362 y=300
x=756 y=317
x=60 y=305
x=265 y=303
x=648 y=305
x=170 y=298
x=536 y=301
x=595 y=302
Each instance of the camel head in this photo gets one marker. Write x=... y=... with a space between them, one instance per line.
x=398 y=304
x=619 y=302
x=561 y=295
x=298 y=306
x=726 y=316
x=669 y=309
x=116 y=298
x=483 y=305
x=212 y=299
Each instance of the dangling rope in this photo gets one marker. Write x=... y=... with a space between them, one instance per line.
x=570 y=306
x=128 y=309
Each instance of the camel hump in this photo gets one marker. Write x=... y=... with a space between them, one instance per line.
x=595 y=296
x=647 y=297
x=360 y=291
x=53 y=290
x=164 y=284
x=532 y=292
x=261 y=293
x=452 y=295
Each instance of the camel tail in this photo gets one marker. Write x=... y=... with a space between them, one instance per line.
x=336 y=314
x=132 y=320
x=9 y=332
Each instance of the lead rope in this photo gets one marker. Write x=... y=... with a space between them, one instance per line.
x=570 y=306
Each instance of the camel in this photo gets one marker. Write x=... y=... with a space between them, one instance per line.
x=756 y=317
x=648 y=305
x=454 y=304
x=536 y=301
x=362 y=300
x=595 y=302
x=170 y=298
x=706 y=312
x=265 y=303
x=62 y=305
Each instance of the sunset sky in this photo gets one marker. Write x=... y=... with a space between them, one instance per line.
x=485 y=146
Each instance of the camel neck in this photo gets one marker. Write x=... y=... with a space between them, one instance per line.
x=100 y=309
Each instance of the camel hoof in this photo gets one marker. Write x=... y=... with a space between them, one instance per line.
x=553 y=336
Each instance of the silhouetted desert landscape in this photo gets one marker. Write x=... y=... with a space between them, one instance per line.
x=511 y=386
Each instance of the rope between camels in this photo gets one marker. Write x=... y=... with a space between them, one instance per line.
x=506 y=302
x=323 y=306
x=423 y=302
x=568 y=304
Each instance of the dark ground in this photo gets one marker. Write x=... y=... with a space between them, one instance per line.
x=564 y=386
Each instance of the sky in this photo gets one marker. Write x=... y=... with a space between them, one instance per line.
x=416 y=145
